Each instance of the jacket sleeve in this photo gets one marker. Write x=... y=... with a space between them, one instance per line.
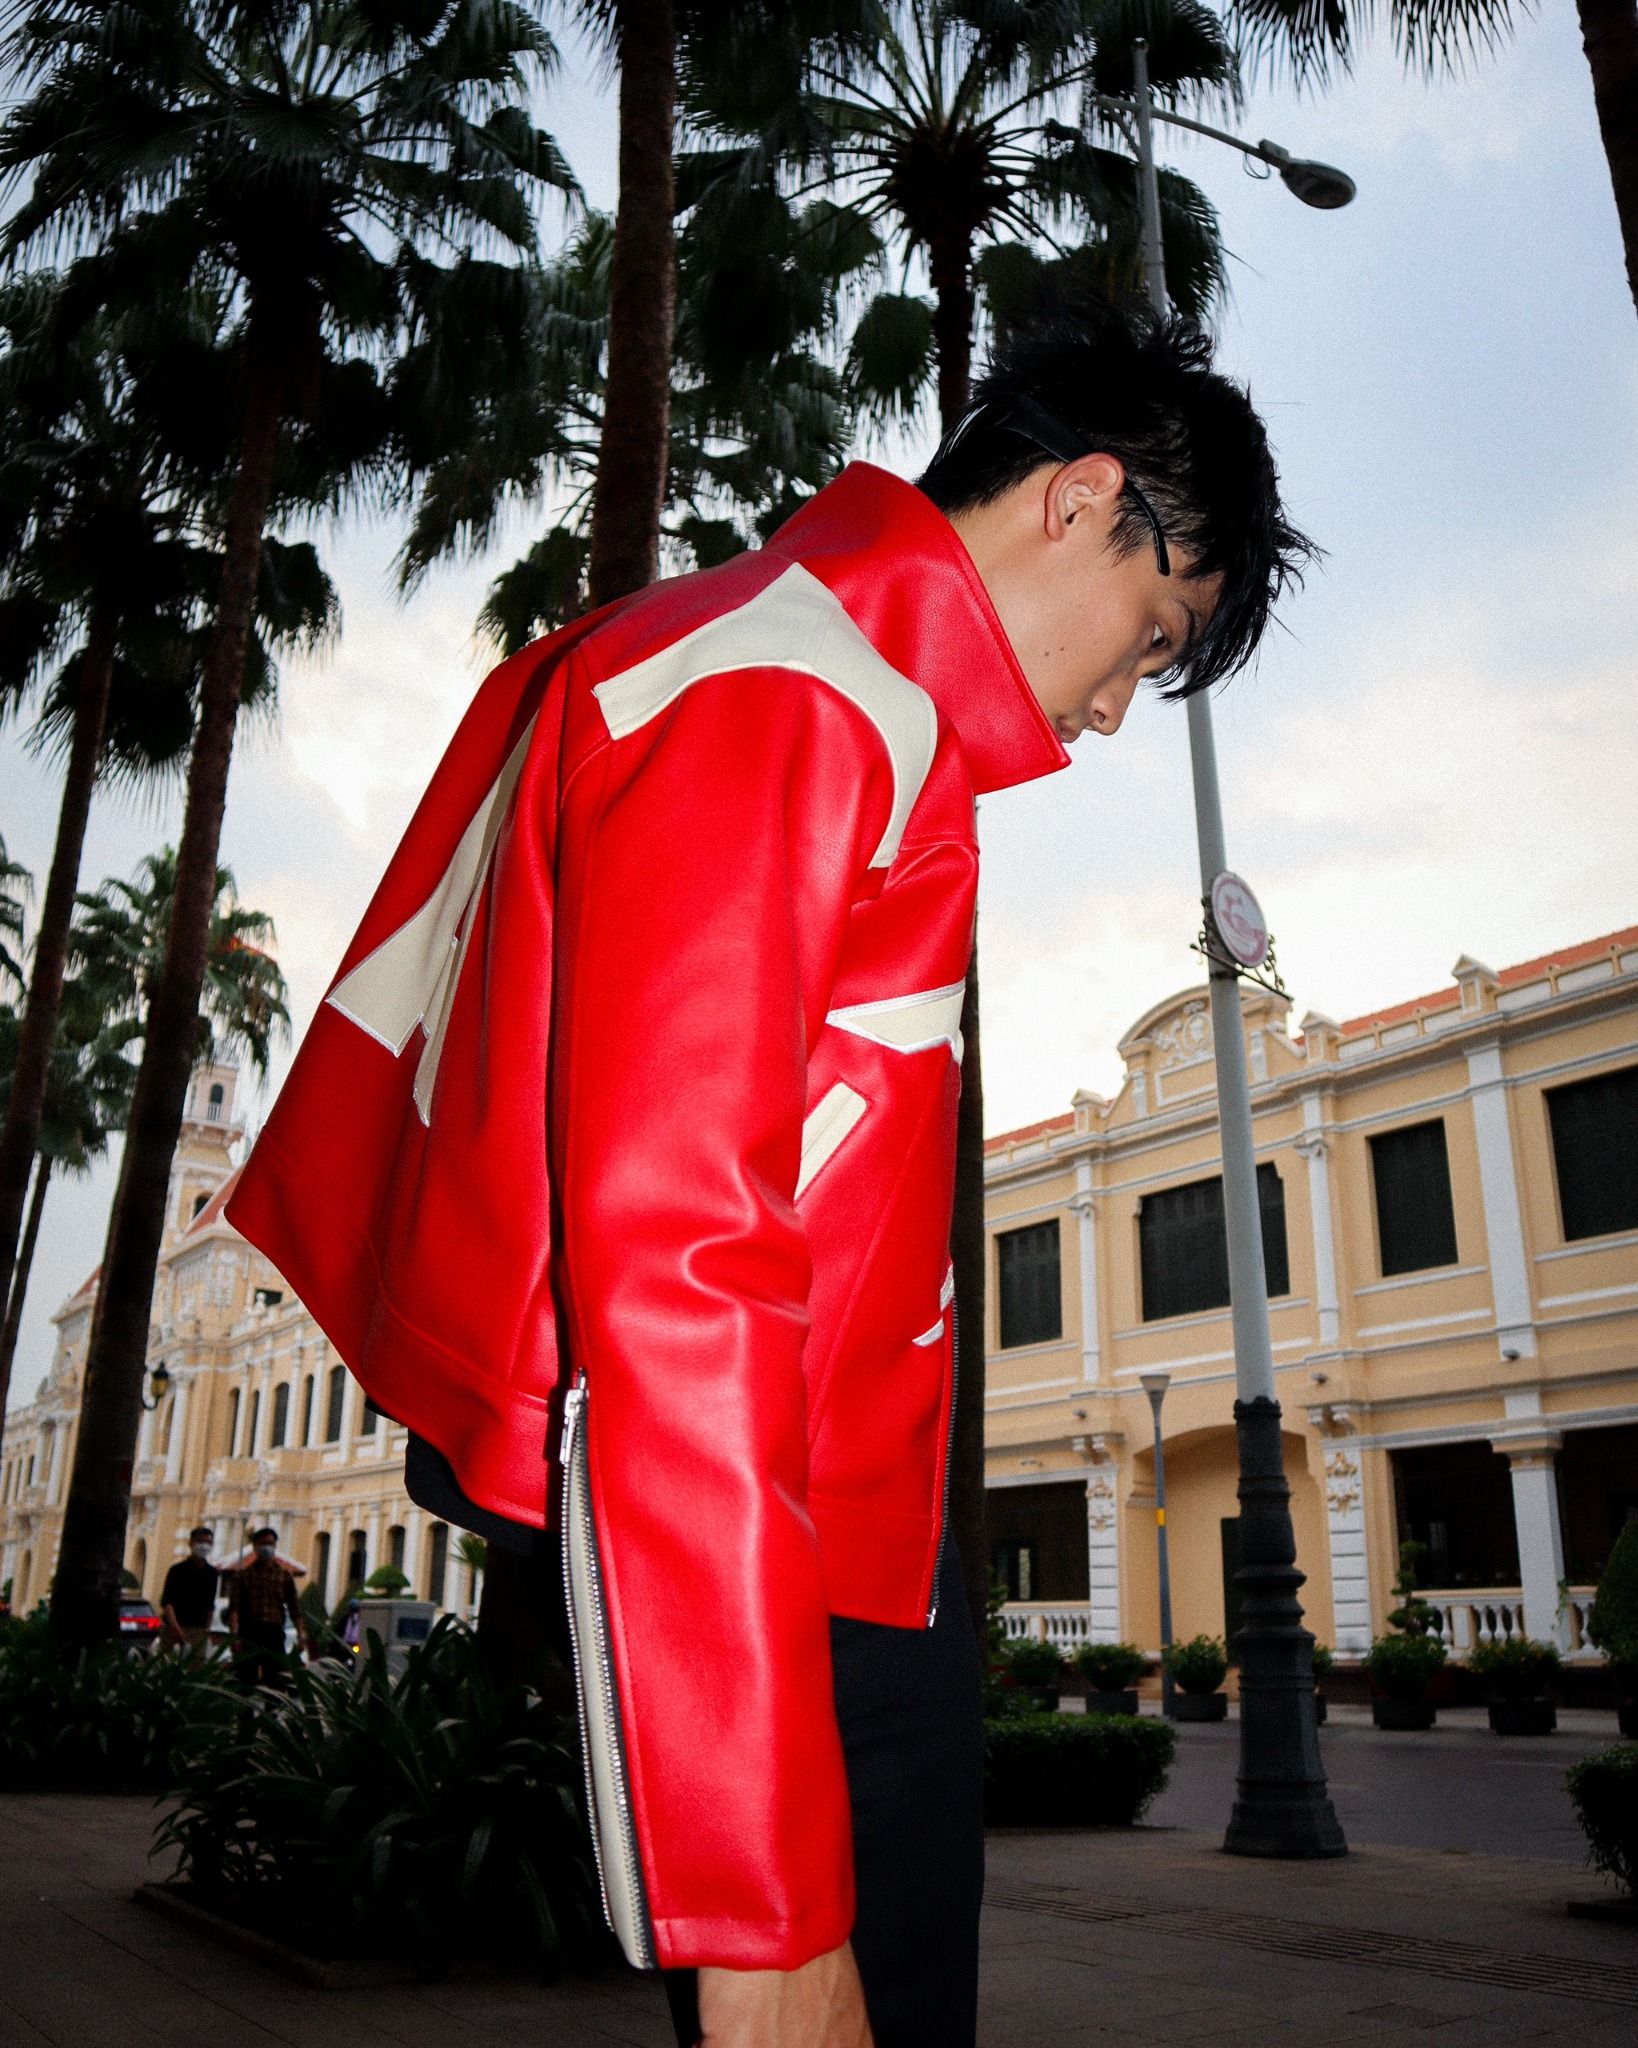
x=706 y=866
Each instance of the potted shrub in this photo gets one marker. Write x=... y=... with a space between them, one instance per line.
x=1604 y=1792
x=1402 y=1669
x=1198 y=1668
x=1612 y=1622
x=1111 y=1671
x=1323 y=1660
x=1036 y=1667
x=1516 y=1673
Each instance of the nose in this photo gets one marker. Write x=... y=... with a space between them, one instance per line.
x=1107 y=709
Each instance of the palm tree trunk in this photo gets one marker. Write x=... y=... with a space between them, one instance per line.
x=1609 y=35
x=631 y=462
x=19 y=1277
x=85 y=1598
x=952 y=278
x=45 y=988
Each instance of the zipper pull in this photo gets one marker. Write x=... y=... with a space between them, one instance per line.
x=573 y=1401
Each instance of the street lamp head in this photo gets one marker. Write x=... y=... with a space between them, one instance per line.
x=1154 y=1384
x=1320 y=185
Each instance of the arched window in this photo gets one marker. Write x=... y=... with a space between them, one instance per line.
x=369 y=1419
x=218 y=1096
x=358 y=1561
x=281 y=1416
x=321 y=1565
x=337 y=1394
x=255 y=1423
x=233 y=1423
x=307 y=1410
x=199 y=1202
x=395 y=1546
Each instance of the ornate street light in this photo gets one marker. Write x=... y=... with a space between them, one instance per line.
x=1154 y=1384
x=159 y=1385
x=1283 y=1808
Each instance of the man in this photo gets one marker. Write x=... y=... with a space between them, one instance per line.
x=188 y=1599
x=260 y=1595
x=625 y=1138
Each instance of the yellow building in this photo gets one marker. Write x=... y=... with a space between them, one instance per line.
x=1451 y=1225
x=1450 y=1222
x=259 y=1422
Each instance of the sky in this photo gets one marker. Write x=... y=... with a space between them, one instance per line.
x=1434 y=757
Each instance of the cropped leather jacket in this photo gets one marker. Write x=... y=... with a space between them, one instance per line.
x=634 y=1099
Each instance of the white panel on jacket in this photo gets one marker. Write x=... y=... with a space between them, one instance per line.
x=794 y=623
x=913 y=1023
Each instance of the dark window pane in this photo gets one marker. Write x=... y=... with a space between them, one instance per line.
x=438 y=1563
x=321 y=1564
x=1415 y=1224
x=307 y=1410
x=1595 y=1150
x=372 y=1415
x=358 y=1563
x=1183 y=1245
x=281 y=1416
x=1031 y=1298
x=332 y=1418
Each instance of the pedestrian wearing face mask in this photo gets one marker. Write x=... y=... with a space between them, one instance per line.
x=260 y=1595
x=189 y=1597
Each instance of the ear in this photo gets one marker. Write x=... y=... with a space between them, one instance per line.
x=1085 y=490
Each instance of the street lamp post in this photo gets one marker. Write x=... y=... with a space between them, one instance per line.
x=1282 y=1807
x=1154 y=1384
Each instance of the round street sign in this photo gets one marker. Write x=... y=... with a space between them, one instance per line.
x=1239 y=920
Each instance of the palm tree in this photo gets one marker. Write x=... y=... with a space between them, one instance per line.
x=99 y=585
x=293 y=156
x=1313 y=43
x=88 y=1094
x=756 y=417
x=16 y=886
x=625 y=524
x=942 y=124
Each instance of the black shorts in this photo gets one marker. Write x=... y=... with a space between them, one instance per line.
x=909 y=1705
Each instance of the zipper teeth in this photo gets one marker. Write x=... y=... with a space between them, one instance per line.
x=571 y=1419
x=573 y=1440
x=949 y=1456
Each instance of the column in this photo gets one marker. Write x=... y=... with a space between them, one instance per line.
x=1314 y=1147
x=1103 y=1541
x=1504 y=1227
x=1083 y=1203
x=1345 y=1530
x=1541 y=1540
x=179 y=1428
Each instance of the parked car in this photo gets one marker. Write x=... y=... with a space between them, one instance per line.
x=139 y=1624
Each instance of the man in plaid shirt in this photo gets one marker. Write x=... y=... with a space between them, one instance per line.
x=260 y=1595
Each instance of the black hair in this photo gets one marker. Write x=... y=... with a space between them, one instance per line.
x=1131 y=385
x=195 y=1534
x=256 y=1535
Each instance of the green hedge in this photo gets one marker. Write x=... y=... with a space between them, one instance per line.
x=1604 y=1791
x=433 y=1818
x=105 y=1719
x=1068 y=1770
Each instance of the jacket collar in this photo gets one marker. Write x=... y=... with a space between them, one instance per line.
x=900 y=571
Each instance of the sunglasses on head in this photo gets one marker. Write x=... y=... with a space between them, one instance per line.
x=1032 y=422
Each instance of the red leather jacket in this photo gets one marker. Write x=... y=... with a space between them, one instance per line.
x=645 y=1059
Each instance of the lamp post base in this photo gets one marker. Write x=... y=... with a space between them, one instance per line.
x=1283 y=1808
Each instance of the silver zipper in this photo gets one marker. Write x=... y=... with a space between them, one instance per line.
x=949 y=1457
x=614 y=1835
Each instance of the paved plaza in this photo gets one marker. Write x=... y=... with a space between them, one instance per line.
x=1446 y=1925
